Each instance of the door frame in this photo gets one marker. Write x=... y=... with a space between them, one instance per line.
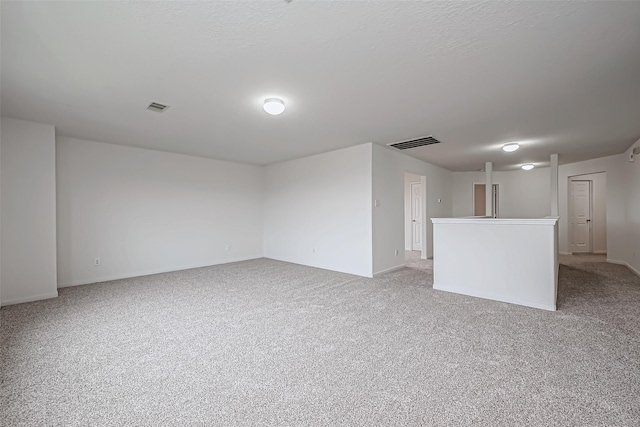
x=495 y=197
x=422 y=242
x=570 y=210
x=425 y=225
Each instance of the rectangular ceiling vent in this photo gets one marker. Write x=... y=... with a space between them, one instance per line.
x=157 y=107
x=413 y=143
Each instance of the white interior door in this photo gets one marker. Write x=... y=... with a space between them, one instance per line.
x=580 y=216
x=416 y=216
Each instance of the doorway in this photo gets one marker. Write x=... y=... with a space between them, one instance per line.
x=480 y=200
x=416 y=224
x=416 y=216
x=580 y=216
x=587 y=213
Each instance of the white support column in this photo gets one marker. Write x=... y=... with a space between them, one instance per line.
x=554 y=185
x=425 y=226
x=488 y=168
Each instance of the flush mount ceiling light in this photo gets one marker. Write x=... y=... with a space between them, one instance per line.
x=510 y=147
x=273 y=106
x=528 y=166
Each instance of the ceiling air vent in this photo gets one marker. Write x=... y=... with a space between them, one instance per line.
x=157 y=107
x=413 y=143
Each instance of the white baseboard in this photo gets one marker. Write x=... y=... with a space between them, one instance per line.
x=31 y=298
x=388 y=270
x=583 y=253
x=456 y=290
x=633 y=270
x=108 y=278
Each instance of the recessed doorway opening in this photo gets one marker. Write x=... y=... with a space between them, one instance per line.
x=588 y=213
x=480 y=200
x=415 y=229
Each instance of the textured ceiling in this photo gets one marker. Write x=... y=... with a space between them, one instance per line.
x=562 y=77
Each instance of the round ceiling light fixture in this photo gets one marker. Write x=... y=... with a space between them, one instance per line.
x=273 y=106
x=509 y=148
x=528 y=166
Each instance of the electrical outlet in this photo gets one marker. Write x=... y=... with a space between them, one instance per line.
x=396 y=252
x=227 y=248
x=313 y=250
x=96 y=262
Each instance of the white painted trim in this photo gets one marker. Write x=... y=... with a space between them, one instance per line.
x=493 y=297
x=488 y=190
x=497 y=201
x=633 y=270
x=496 y=221
x=571 y=207
x=32 y=298
x=583 y=253
x=422 y=217
x=425 y=218
x=555 y=188
x=149 y=272
x=388 y=270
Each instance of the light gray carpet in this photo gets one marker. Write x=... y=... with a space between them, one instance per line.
x=269 y=343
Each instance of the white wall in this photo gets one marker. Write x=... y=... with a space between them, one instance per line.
x=616 y=195
x=142 y=211
x=408 y=179
x=318 y=211
x=622 y=205
x=599 y=210
x=389 y=167
x=632 y=236
x=0 y=213
x=28 y=246
x=521 y=194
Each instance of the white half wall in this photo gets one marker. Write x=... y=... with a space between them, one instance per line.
x=28 y=244
x=141 y=211
x=599 y=210
x=510 y=260
x=521 y=194
x=389 y=167
x=318 y=211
